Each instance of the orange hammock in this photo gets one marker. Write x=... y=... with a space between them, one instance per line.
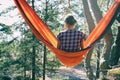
x=44 y=34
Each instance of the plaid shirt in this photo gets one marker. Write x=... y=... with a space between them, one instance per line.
x=70 y=40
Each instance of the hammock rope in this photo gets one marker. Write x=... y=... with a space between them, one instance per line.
x=45 y=35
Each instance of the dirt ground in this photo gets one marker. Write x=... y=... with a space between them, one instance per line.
x=64 y=73
x=73 y=73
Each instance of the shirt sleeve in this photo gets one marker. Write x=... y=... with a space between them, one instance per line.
x=83 y=36
x=58 y=36
x=59 y=39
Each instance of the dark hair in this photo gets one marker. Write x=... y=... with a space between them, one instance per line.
x=70 y=20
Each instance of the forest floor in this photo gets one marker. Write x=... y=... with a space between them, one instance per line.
x=64 y=73
x=74 y=73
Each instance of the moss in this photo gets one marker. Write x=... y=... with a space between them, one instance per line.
x=114 y=72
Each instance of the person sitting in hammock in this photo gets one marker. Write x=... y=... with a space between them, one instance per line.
x=70 y=40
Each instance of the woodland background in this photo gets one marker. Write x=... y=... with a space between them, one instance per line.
x=23 y=57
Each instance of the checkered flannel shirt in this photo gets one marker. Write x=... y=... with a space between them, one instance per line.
x=70 y=40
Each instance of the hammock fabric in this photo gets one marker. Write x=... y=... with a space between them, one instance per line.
x=44 y=34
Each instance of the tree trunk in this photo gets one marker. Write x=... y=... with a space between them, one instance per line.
x=108 y=37
x=88 y=16
x=96 y=10
x=33 y=63
x=115 y=53
x=98 y=61
x=98 y=15
x=25 y=60
x=45 y=58
x=91 y=26
x=33 y=53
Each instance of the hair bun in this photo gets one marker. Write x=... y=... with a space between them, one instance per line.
x=70 y=20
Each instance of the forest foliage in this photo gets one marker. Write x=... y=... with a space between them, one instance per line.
x=22 y=55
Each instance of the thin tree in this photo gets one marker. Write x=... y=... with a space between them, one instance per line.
x=91 y=26
x=33 y=52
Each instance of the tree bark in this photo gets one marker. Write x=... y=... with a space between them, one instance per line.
x=33 y=62
x=33 y=53
x=91 y=26
x=88 y=16
x=116 y=50
x=108 y=37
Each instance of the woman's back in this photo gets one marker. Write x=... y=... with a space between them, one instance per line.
x=70 y=40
